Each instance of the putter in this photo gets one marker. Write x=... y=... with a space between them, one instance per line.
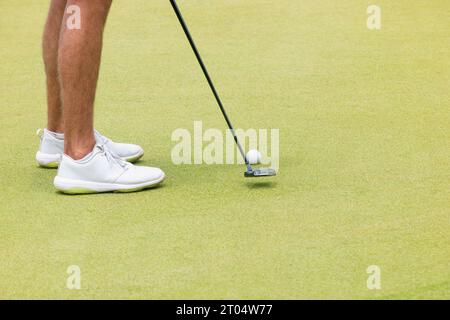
x=261 y=172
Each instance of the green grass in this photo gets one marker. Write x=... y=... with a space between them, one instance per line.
x=364 y=159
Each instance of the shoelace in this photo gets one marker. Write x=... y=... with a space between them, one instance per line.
x=112 y=157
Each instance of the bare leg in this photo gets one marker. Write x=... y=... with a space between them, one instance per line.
x=50 y=54
x=79 y=64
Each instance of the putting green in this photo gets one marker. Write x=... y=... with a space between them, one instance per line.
x=364 y=157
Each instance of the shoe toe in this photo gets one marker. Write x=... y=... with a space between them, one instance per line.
x=126 y=150
x=134 y=149
x=150 y=173
x=138 y=175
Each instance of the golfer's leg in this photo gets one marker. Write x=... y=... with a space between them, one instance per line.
x=79 y=62
x=50 y=42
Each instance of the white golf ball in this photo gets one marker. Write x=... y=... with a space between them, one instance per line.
x=254 y=156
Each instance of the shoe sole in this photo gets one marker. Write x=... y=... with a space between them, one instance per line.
x=51 y=161
x=70 y=186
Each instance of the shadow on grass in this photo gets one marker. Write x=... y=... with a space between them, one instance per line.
x=261 y=185
x=54 y=169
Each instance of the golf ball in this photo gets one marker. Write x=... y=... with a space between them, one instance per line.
x=254 y=156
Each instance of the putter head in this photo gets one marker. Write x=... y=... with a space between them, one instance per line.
x=263 y=172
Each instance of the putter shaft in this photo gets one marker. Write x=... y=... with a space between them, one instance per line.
x=208 y=78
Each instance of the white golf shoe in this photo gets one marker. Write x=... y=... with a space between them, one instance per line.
x=104 y=171
x=51 y=148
